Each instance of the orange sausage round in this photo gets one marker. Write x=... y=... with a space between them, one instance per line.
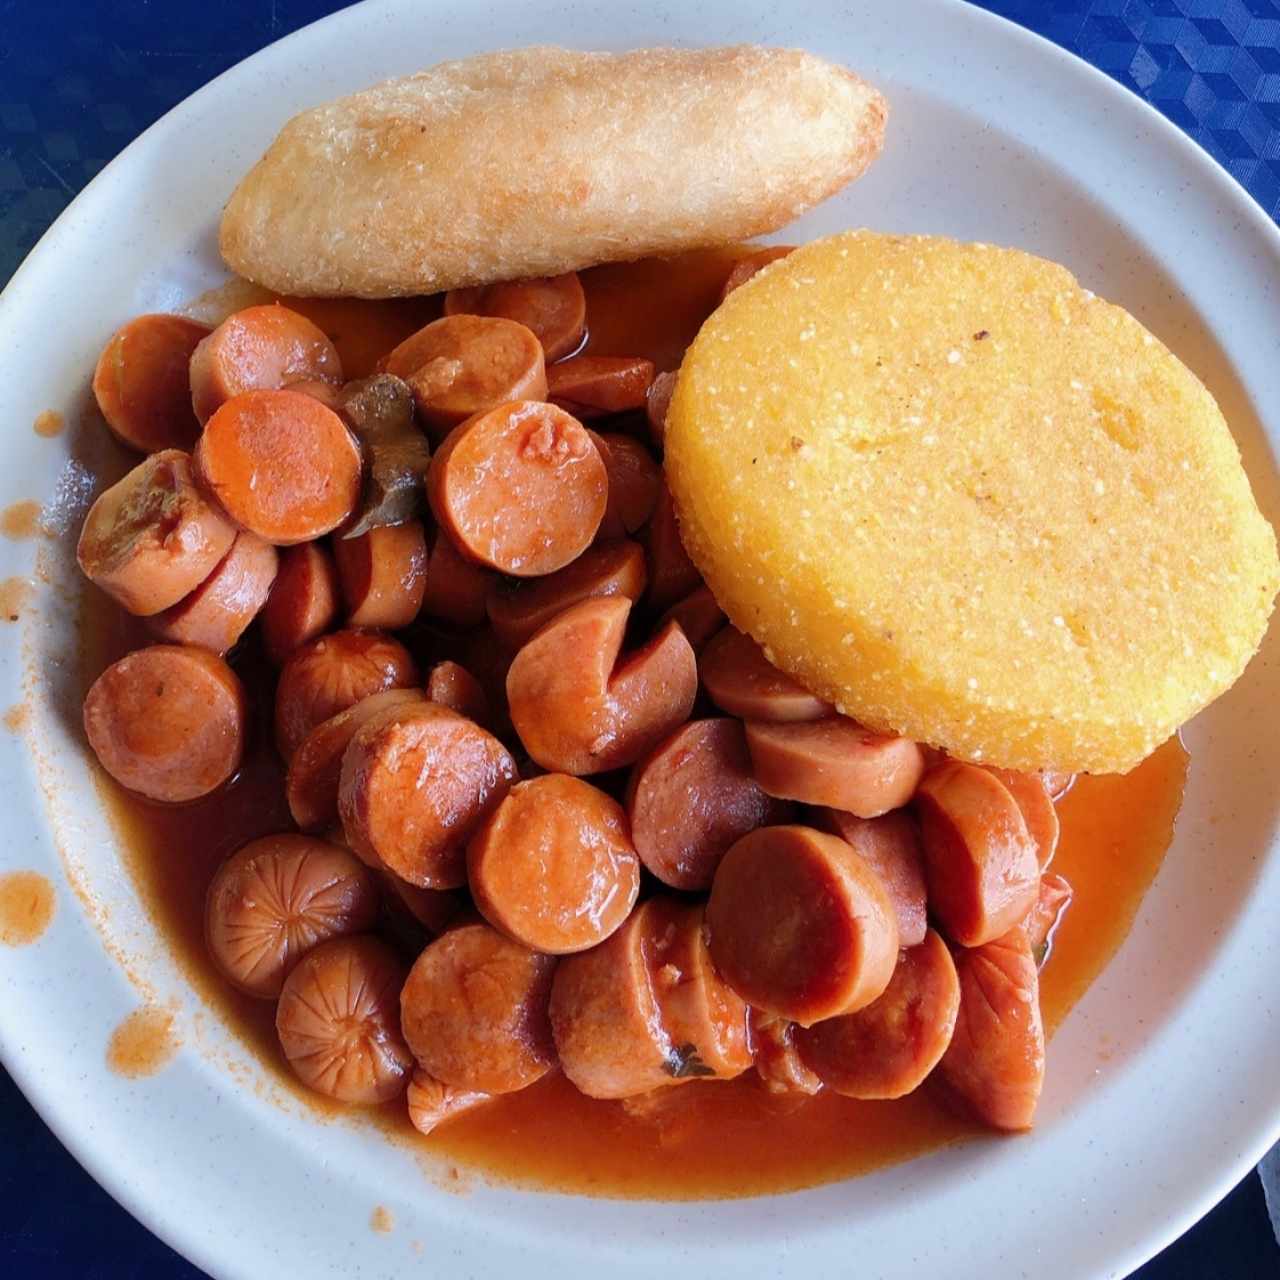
x=520 y=488
x=595 y=386
x=168 y=722
x=280 y=464
x=672 y=575
x=383 y=575
x=276 y=898
x=474 y=1010
x=634 y=482
x=432 y=1102
x=153 y=537
x=980 y=860
x=456 y=589
x=259 y=349
x=1030 y=793
x=142 y=386
x=739 y=679
x=338 y=1021
x=691 y=798
x=800 y=926
x=836 y=763
x=553 y=866
x=749 y=266
x=657 y=401
x=303 y=603
x=453 y=686
x=333 y=673
x=888 y=1048
x=777 y=1060
x=416 y=782
x=1043 y=919
x=553 y=307
x=215 y=615
x=698 y=616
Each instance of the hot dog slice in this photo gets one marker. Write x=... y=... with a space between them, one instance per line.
x=739 y=679
x=691 y=798
x=576 y=711
x=657 y=401
x=281 y=465
x=383 y=575
x=553 y=866
x=1056 y=783
x=474 y=1011
x=800 y=926
x=777 y=1060
x=1031 y=794
x=980 y=860
x=887 y=1049
x=259 y=349
x=595 y=386
x=456 y=588
x=1043 y=919
x=432 y=1102
x=836 y=763
x=276 y=898
x=749 y=266
x=520 y=488
x=553 y=307
x=635 y=480
x=153 y=537
x=141 y=383
x=698 y=616
x=416 y=782
x=168 y=722
x=339 y=1021
x=453 y=686
x=303 y=603
x=672 y=575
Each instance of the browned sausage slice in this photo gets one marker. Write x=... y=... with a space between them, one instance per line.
x=333 y=673
x=836 y=763
x=995 y=1063
x=168 y=722
x=553 y=307
x=259 y=349
x=890 y=846
x=518 y=609
x=141 y=382
x=432 y=1102
x=553 y=866
x=436 y=910
x=1043 y=919
x=691 y=798
x=777 y=1060
x=635 y=480
x=672 y=575
x=303 y=603
x=383 y=575
x=1057 y=784
x=311 y=785
x=281 y=465
x=456 y=588
x=576 y=711
x=153 y=537
x=595 y=386
x=474 y=1010
x=453 y=686
x=980 y=860
x=698 y=616
x=1031 y=794
x=739 y=679
x=416 y=782
x=800 y=926
x=339 y=1021
x=276 y=898
x=657 y=401
x=887 y=1049
x=520 y=489
x=215 y=615
x=749 y=266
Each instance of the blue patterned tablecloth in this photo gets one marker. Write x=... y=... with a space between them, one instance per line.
x=79 y=79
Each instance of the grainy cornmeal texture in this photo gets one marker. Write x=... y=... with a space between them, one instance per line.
x=967 y=501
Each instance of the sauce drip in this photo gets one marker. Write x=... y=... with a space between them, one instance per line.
x=20 y=520
x=382 y=1220
x=15 y=719
x=26 y=906
x=48 y=424
x=142 y=1044
x=14 y=594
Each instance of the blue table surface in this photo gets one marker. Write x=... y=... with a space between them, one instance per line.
x=79 y=79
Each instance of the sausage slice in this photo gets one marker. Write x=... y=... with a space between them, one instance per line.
x=303 y=603
x=672 y=575
x=383 y=575
x=595 y=386
x=1044 y=918
x=453 y=686
x=1030 y=792
x=431 y=1102
x=456 y=589
x=777 y=1060
x=657 y=401
x=739 y=679
x=698 y=616
x=747 y=267
x=553 y=307
x=634 y=481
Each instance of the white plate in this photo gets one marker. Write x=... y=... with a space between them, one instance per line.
x=1163 y=1085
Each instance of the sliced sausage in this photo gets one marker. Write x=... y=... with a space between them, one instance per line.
x=750 y=265
x=553 y=307
x=520 y=488
x=888 y=1048
x=311 y=785
x=475 y=1011
x=1031 y=794
x=303 y=603
x=672 y=575
x=578 y=709
x=800 y=926
x=281 y=465
x=456 y=588
x=595 y=386
x=980 y=860
x=453 y=686
x=168 y=722
x=434 y=909
x=141 y=382
x=462 y=365
x=836 y=763
x=416 y=782
x=215 y=615
x=333 y=673
x=777 y=1060
x=890 y=846
x=259 y=349
x=153 y=537
x=275 y=899
x=657 y=401
x=739 y=679
x=553 y=866
x=994 y=1065
x=1043 y=919
x=691 y=798
x=518 y=609
x=339 y=1021
x=383 y=574
x=634 y=481
x=1056 y=783
x=328 y=393
x=698 y=616
x=432 y=1102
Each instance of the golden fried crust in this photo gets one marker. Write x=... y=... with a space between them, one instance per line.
x=967 y=501
x=545 y=160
